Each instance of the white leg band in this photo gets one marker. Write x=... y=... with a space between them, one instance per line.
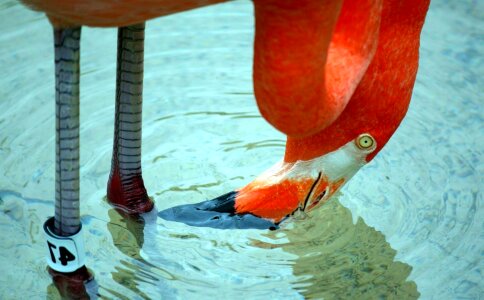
x=64 y=253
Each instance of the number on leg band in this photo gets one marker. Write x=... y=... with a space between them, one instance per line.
x=64 y=254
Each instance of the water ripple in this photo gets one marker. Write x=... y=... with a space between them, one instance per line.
x=410 y=224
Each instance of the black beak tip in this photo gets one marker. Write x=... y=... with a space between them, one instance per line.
x=216 y=213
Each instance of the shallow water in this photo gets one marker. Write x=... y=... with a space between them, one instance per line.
x=409 y=224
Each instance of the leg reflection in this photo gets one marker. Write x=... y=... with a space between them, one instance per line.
x=79 y=284
x=127 y=232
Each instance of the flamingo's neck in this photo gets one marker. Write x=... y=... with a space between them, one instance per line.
x=381 y=99
x=301 y=86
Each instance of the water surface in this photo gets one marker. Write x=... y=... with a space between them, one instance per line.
x=409 y=224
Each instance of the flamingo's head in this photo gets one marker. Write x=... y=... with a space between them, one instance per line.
x=281 y=191
x=289 y=187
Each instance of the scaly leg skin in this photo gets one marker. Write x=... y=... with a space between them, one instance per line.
x=126 y=189
x=67 y=130
x=67 y=218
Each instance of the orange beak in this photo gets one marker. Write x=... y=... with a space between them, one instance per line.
x=279 y=201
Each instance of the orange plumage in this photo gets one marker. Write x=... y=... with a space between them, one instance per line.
x=110 y=13
x=325 y=72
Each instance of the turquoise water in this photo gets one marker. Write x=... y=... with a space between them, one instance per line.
x=410 y=224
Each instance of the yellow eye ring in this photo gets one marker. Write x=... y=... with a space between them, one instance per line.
x=365 y=141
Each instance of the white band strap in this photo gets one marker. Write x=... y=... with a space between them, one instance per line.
x=64 y=253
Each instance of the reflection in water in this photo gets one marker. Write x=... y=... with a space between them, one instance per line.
x=80 y=284
x=128 y=276
x=127 y=233
x=341 y=260
x=335 y=257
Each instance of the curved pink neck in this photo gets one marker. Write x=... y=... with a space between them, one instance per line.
x=309 y=56
x=381 y=99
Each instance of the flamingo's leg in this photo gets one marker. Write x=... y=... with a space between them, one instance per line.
x=67 y=130
x=67 y=217
x=126 y=189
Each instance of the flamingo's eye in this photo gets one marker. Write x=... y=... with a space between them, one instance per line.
x=365 y=141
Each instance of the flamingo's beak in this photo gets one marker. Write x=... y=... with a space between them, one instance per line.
x=216 y=213
x=280 y=192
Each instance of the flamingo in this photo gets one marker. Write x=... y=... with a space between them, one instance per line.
x=335 y=76
x=339 y=90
